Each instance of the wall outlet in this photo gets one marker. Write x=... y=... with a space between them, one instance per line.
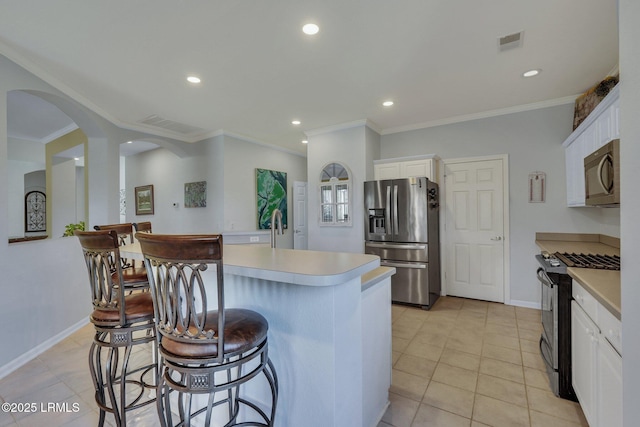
x=254 y=239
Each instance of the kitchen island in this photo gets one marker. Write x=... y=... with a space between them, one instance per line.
x=329 y=319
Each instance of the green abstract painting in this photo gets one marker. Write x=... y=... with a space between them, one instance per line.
x=271 y=189
x=195 y=194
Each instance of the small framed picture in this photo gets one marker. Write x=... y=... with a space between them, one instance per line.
x=144 y=200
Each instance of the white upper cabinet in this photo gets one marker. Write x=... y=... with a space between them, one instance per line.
x=600 y=127
x=407 y=167
x=386 y=171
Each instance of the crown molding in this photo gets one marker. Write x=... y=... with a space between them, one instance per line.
x=357 y=123
x=261 y=143
x=483 y=115
x=19 y=59
x=57 y=134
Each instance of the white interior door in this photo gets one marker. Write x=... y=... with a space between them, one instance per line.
x=300 y=215
x=475 y=229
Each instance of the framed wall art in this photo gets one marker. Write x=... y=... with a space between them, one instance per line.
x=537 y=186
x=35 y=211
x=144 y=200
x=195 y=194
x=271 y=194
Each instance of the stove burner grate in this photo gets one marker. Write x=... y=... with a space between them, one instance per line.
x=600 y=262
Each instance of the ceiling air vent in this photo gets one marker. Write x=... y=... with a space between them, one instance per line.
x=510 y=41
x=181 y=128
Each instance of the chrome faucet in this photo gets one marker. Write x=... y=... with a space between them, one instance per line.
x=276 y=215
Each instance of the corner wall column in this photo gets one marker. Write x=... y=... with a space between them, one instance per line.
x=102 y=162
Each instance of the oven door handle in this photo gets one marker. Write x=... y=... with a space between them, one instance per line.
x=543 y=353
x=543 y=278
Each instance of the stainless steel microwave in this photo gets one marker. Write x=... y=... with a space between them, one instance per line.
x=602 y=175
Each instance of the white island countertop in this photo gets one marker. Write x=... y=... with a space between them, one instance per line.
x=298 y=267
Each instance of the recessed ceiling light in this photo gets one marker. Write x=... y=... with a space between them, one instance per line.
x=531 y=73
x=310 y=29
x=304 y=141
x=193 y=79
x=387 y=103
x=295 y=122
x=129 y=142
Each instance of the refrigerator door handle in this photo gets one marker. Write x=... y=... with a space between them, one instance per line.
x=395 y=209
x=387 y=213
x=396 y=246
x=403 y=264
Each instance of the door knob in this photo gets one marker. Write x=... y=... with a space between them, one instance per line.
x=497 y=238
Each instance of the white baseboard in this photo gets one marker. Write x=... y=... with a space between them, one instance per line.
x=527 y=304
x=39 y=349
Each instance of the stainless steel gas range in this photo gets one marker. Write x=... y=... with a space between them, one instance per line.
x=555 y=342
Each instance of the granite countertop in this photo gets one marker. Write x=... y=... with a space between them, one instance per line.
x=604 y=285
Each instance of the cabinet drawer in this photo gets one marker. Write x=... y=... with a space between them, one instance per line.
x=610 y=327
x=586 y=301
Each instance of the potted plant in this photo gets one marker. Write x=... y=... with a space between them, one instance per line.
x=70 y=228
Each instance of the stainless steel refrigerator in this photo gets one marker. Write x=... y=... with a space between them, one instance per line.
x=401 y=227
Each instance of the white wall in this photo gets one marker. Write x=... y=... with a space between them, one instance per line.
x=15 y=206
x=228 y=165
x=532 y=139
x=63 y=176
x=45 y=294
x=241 y=158
x=168 y=174
x=22 y=157
x=372 y=152
x=629 y=13
x=44 y=283
x=355 y=148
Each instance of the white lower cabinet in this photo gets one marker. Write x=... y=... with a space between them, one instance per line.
x=596 y=365
x=584 y=341
x=609 y=380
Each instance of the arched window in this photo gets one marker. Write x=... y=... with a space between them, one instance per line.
x=335 y=200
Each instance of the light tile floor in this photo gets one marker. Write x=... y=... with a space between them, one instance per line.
x=471 y=363
x=463 y=363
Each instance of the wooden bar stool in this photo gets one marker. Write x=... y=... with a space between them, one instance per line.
x=124 y=230
x=121 y=322
x=203 y=352
x=135 y=277
x=142 y=227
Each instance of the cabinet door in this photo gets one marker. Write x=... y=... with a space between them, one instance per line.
x=615 y=119
x=416 y=168
x=609 y=381
x=386 y=171
x=575 y=174
x=584 y=340
x=604 y=126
